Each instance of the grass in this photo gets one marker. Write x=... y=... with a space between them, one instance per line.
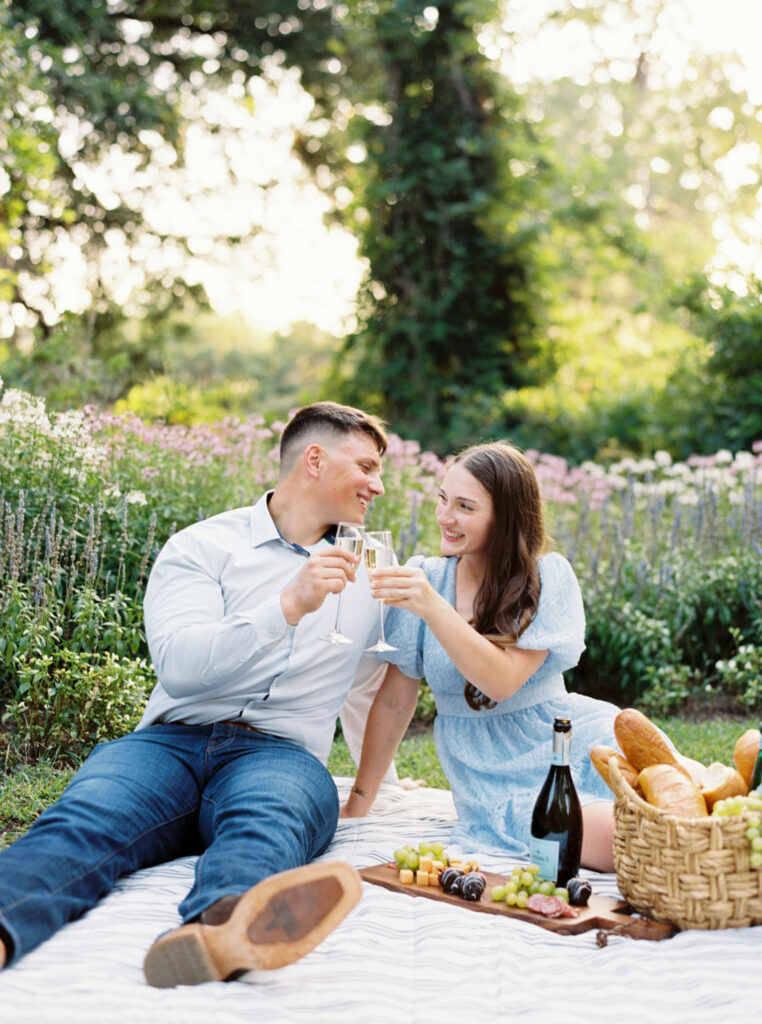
x=28 y=789
x=416 y=757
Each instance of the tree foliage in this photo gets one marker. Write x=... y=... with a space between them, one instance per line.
x=441 y=189
x=653 y=165
x=90 y=80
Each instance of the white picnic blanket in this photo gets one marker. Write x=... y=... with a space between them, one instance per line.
x=394 y=960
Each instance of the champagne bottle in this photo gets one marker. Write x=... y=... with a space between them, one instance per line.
x=556 y=832
x=756 y=775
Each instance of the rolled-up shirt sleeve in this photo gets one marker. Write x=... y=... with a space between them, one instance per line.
x=196 y=643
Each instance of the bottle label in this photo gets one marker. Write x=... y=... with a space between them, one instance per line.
x=559 y=757
x=544 y=853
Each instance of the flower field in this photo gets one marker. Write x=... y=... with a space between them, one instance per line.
x=669 y=557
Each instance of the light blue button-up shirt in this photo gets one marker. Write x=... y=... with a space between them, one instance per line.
x=222 y=649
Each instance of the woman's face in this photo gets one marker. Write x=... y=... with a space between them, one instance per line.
x=465 y=513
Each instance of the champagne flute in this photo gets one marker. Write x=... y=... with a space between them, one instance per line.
x=379 y=554
x=348 y=537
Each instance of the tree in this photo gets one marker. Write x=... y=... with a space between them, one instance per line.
x=443 y=171
x=651 y=160
x=727 y=384
x=90 y=80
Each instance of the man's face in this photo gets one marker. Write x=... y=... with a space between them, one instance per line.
x=351 y=477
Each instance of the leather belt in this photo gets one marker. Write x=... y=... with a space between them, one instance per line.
x=241 y=725
x=237 y=724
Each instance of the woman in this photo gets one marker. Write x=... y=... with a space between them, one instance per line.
x=491 y=625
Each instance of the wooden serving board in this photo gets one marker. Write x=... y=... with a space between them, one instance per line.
x=602 y=912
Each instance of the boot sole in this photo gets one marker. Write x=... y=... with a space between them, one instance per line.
x=275 y=923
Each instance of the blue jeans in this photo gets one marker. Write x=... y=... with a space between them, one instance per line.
x=250 y=804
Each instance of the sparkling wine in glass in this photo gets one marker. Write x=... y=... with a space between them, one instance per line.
x=379 y=554
x=349 y=536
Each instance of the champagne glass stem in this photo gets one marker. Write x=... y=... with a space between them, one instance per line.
x=337 y=626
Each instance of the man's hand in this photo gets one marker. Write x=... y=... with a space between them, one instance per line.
x=326 y=572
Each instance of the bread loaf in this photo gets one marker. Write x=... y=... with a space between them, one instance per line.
x=642 y=743
x=600 y=756
x=720 y=782
x=667 y=787
x=745 y=753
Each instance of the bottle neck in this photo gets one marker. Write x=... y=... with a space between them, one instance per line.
x=561 y=747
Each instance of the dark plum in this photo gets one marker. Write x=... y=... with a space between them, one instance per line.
x=449 y=878
x=580 y=891
x=472 y=886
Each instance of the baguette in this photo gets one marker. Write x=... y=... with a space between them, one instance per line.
x=745 y=753
x=667 y=787
x=642 y=743
x=601 y=755
x=720 y=782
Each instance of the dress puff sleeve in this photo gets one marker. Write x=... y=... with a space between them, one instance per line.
x=559 y=624
x=405 y=632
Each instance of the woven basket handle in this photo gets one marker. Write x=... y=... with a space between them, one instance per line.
x=624 y=790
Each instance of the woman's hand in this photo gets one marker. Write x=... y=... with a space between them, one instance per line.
x=497 y=672
x=403 y=586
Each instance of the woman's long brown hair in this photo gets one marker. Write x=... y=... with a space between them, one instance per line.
x=507 y=599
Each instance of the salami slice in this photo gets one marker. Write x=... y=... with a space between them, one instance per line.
x=569 y=911
x=548 y=906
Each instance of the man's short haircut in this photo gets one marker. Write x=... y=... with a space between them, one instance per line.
x=326 y=421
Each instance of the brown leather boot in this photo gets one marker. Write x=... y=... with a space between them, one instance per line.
x=275 y=923
x=220 y=910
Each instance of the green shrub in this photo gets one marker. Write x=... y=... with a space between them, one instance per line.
x=623 y=644
x=425 y=708
x=669 y=689
x=66 y=702
x=741 y=675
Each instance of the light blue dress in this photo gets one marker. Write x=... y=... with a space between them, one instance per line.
x=496 y=760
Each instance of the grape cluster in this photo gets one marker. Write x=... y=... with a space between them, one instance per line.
x=753 y=805
x=523 y=883
x=410 y=856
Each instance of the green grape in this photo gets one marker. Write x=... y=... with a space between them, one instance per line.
x=562 y=893
x=438 y=850
x=756 y=843
x=533 y=869
x=547 y=888
x=497 y=892
x=517 y=871
x=534 y=887
x=424 y=848
x=755 y=859
x=527 y=878
x=738 y=804
x=512 y=898
x=521 y=899
x=511 y=886
x=412 y=860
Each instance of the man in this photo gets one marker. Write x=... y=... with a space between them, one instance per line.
x=229 y=758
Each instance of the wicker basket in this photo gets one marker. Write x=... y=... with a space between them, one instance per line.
x=689 y=872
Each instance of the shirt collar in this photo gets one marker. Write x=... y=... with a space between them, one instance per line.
x=264 y=531
x=261 y=524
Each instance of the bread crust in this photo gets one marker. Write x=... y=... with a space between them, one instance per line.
x=642 y=743
x=669 y=788
x=600 y=756
x=745 y=753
